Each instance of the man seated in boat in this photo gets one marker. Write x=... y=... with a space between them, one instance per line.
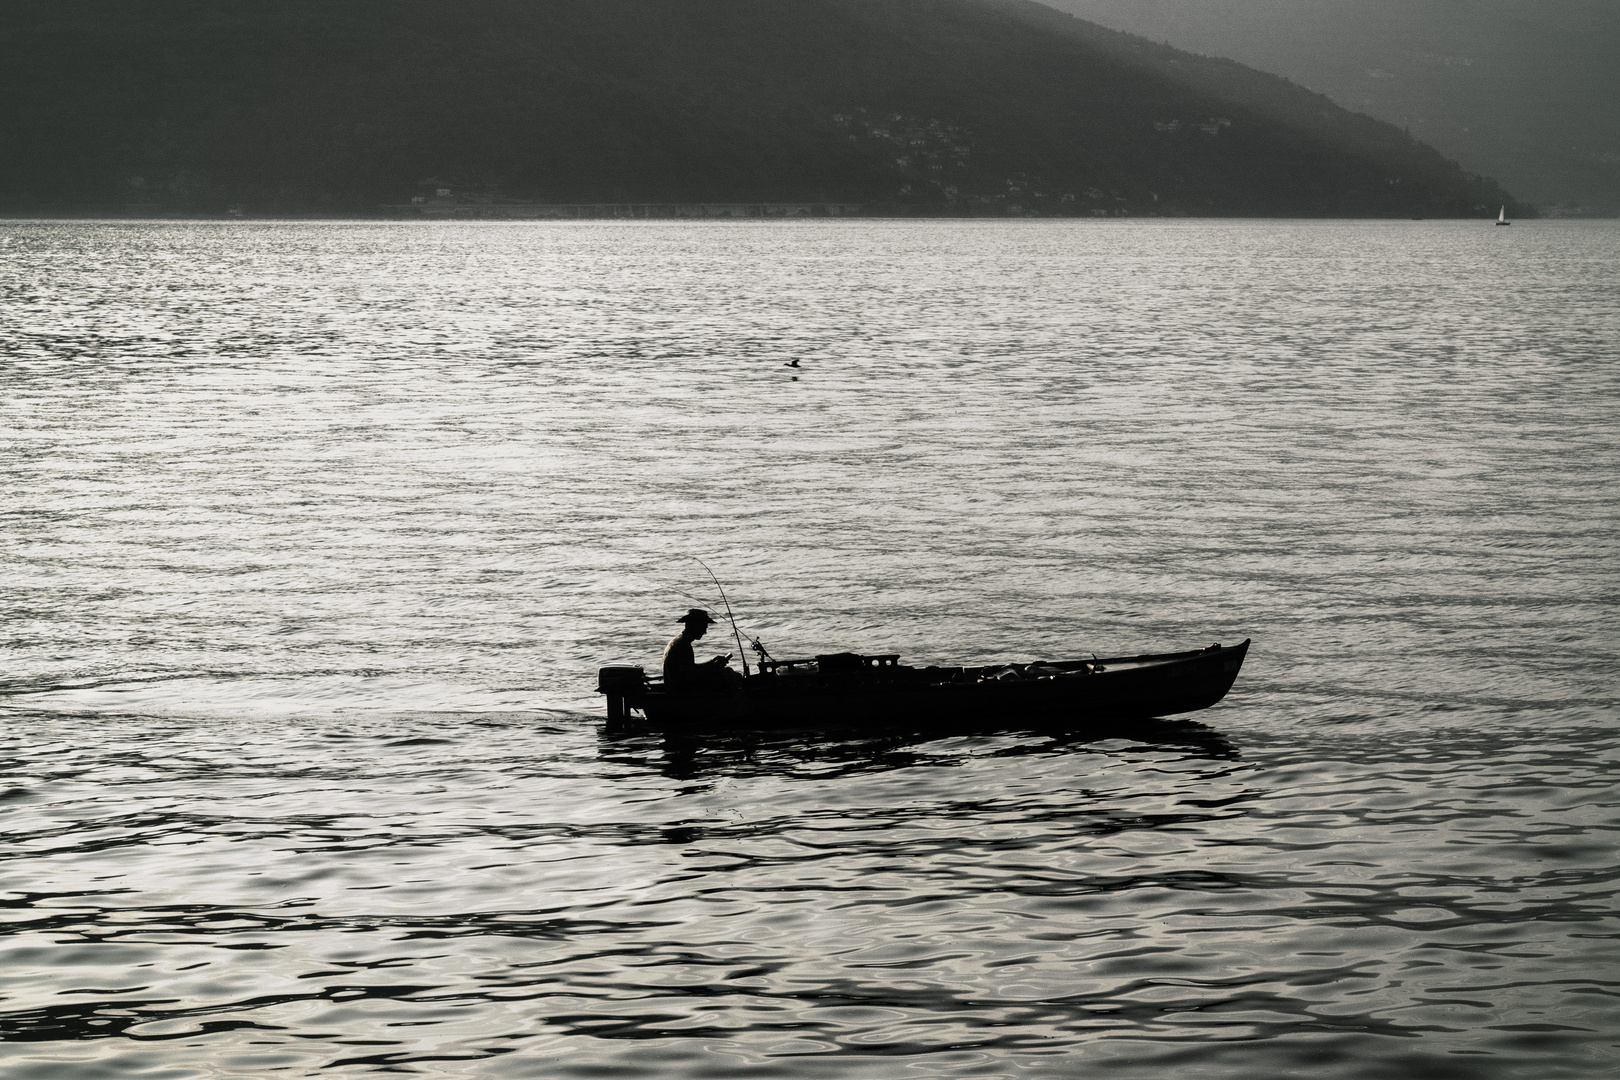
x=682 y=671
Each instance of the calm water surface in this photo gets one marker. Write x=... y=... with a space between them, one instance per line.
x=314 y=535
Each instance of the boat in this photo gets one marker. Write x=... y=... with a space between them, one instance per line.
x=846 y=689
x=1501 y=217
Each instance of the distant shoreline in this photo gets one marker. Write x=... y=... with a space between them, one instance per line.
x=756 y=211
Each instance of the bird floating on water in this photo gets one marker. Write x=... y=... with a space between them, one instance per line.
x=791 y=363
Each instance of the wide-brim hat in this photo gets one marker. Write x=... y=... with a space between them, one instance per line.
x=697 y=614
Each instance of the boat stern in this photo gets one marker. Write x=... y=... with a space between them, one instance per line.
x=623 y=686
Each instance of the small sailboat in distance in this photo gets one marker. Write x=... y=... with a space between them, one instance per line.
x=1501 y=217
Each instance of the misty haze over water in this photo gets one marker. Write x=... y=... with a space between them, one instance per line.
x=1521 y=92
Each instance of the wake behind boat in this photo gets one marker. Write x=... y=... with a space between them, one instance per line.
x=845 y=689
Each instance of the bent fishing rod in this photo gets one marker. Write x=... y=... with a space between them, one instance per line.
x=741 y=653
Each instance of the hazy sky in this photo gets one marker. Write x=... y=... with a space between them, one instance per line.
x=1524 y=91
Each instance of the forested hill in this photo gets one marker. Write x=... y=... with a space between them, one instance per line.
x=928 y=106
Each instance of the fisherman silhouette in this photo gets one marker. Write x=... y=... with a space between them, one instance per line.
x=682 y=671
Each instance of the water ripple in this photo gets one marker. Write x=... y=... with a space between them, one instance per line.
x=315 y=533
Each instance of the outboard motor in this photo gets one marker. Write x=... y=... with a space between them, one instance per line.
x=617 y=683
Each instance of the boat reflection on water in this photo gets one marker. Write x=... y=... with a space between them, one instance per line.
x=833 y=752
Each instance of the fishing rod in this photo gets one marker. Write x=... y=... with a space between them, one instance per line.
x=741 y=654
x=701 y=600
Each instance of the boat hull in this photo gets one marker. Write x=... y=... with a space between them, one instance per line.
x=1124 y=688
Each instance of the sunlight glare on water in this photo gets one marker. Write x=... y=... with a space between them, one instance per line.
x=316 y=533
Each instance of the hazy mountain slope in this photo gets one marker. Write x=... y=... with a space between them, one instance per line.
x=943 y=105
x=1524 y=92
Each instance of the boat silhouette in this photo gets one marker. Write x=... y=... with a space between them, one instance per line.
x=849 y=689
